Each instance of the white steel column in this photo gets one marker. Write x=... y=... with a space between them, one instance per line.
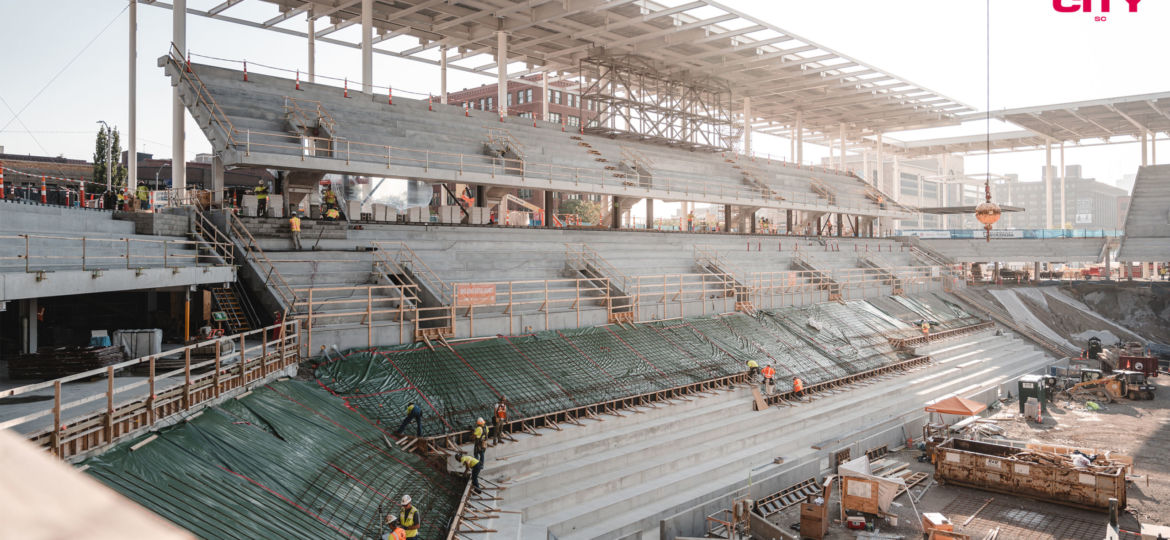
x=178 y=111
x=132 y=130
x=841 y=165
x=502 y=71
x=1145 y=150
x=544 y=96
x=368 y=46
x=747 y=126
x=443 y=75
x=868 y=176
x=799 y=138
x=217 y=183
x=1063 y=174
x=312 y=48
x=1153 y=148
x=880 y=181
x=1048 y=184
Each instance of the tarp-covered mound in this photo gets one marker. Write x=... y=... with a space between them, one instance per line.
x=557 y=370
x=286 y=461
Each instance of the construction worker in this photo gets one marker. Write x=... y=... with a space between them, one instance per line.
x=472 y=465
x=499 y=416
x=412 y=413
x=481 y=438
x=332 y=214
x=294 y=228
x=261 y=193
x=143 y=197
x=925 y=329
x=797 y=386
x=408 y=519
x=329 y=198
x=769 y=378
x=753 y=369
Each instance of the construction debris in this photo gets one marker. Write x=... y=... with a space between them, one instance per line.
x=56 y=362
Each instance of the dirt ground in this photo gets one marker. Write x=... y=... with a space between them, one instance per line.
x=1137 y=428
x=1143 y=307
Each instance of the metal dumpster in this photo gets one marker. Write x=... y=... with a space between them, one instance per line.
x=1002 y=469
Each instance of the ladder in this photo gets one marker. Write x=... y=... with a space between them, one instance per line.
x=227 y=302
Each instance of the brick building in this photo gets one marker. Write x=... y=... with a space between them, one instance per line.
x=527 y=100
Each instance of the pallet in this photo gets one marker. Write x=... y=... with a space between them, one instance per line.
x=789 y=497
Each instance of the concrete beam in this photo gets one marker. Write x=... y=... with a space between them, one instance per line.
x=21 y=285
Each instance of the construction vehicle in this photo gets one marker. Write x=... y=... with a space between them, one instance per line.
x=1096 y=385
x=1136 y=386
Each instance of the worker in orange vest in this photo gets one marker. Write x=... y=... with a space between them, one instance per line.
x=499 y=416
x=769 y=378
x=925 y=329
x=797 y=386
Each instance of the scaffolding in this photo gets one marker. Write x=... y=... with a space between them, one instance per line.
x=633 y=98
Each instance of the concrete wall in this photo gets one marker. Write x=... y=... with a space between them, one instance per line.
x=171 y=222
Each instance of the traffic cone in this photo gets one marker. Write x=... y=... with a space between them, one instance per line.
x=345 y=88
x=298 y=79
x=44 y=193
x=82 y=189
x=430 y=103
x=389 y=95
x=245 y=71
x=1 y=181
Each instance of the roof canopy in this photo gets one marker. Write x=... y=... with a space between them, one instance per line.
x=1095 y=119
x=956 y=405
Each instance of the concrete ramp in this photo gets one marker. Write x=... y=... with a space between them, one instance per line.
x=1147 y=225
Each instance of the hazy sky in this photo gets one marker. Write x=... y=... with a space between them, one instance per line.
x=1038 y=56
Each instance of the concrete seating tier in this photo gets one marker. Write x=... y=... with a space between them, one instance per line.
x=1147 y=225
x=1065 y=250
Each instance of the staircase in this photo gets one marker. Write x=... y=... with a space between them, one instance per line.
x=583 y=260
x=638 y=166
x=888 y=276
x=227 y=302
x=733 y=277
x=308 y=119
x=822 y=279
x=500 y=144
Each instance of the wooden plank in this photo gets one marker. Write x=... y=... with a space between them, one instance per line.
x=760 y=404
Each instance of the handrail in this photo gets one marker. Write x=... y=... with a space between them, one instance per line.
x=87 y=260
x=220 y=243
x=202 y=94
x=583 y=255
x=463 y=162
x=504 y=138
x=292 y=105
x=142 y=403
x=404 y=257
x=251 y=249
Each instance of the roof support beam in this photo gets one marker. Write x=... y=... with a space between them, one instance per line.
x=1141 y=128
x=221 y=7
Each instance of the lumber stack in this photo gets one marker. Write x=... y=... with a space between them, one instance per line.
x=1102 y=464
x=56 y=362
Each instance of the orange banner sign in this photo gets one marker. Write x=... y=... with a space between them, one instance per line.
x=475 y=294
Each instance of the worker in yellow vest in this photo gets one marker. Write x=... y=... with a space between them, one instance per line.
x=143 y=197
x=412 y=413
x=332 y=214
x=481 y=438
x=769 y=378
x=408 y=521
x=753 y=369
x=261 y=193
x=925 y=329
x=472 y=465
x=294 y=229
x=499 y=417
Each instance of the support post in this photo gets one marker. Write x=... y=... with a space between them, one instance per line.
x=368 y=46
x=649 y=214
x=502 y=73
x=549 y=222
x=132 y=130
x=880 y=181
x=788 y=221
x=544 y=96
x=1048 y=183
x=752 y=219
x=1063 y=175
x=615 y=218
x=217 y=185
x=727 y=209
x=1145 y=149
x=799 y=138
x=1036 y=272
x=312 y=31
x=841 y=162
x=178 y=111
x=747 y=126
x=443 y=75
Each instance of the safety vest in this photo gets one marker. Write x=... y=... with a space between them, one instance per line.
x=769 y=372
x=925 y=328
x=481 y=432
x=409 y=409
x=294 y=223
x=330 y=197
x=332 y=214
x=143 y=192
x=753 y=364
x=261 y=192
x=407 y=519
x=469 y=462
x=501 y=411
x=398 y=534
x=797 y=384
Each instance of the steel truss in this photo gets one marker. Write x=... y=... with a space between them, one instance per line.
x=634 y=99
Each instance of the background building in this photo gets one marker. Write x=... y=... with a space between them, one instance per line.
x=527 y=100
x=1089 y=204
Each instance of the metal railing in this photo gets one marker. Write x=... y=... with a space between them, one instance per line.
x=213 y=237
x=425 y=158
x=401 y=258
x=317 y=115
x=255 y=253
x=123 y=410
x=47 y=253
x=581 y=257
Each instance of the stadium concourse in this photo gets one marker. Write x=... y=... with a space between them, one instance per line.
x=296 y=357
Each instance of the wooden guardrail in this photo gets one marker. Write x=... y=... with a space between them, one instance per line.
x=100 y=419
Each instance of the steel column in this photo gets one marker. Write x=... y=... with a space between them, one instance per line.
x=1048 y=184
x=502 y=73
x=443 y=75
x=1063 y=175
x=368 y=46
x=178 y=111
x=132 y=130
x=747 y=126
x=312 y=30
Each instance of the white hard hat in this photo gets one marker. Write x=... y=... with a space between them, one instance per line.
x=479 y=420
x=405 y=500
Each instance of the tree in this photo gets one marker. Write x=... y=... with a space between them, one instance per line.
x=111 y=139
x=589 y=211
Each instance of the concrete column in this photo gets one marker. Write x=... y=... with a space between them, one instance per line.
x=616 y=213
x=840 y=224
x=841 y=164
x=1036 y=272
x=753 y=221
x=480 y=196
x=857 y=226
x=788 y=222
x=368 y=46
x=727 y=217
x=217 y=181
x=312 y=48
x=1107 y=263
x=443 y=75
x=871 y=228
x=132 y=130
x=682 y=217
x=178 y=111
x=747 y=125
x=28 y=323
x=544 y=96
x=896 y=181
x=865 y=167
x=792 y=143
x=1145 y=150
x=818 y=231
x=880 y=181
x=502 y=70
x=1153 y=148
x=799 y=138
x=1048 y=184
x=649 y=211
x=548 y=208
x=1063 y=173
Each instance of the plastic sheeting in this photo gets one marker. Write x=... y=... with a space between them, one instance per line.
x=286 y=461
x=548 y=372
